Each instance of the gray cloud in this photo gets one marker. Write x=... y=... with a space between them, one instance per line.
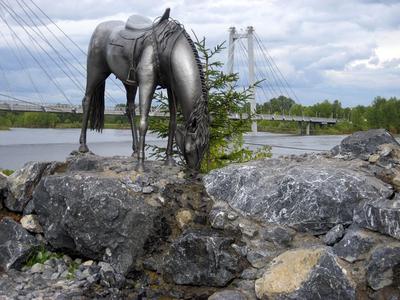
x=347 y=50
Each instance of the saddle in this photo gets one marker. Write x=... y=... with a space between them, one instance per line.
x=137 y=26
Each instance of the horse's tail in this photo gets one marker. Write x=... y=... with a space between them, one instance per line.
x=96 y=108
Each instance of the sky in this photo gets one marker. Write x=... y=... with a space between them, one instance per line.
x=330 y=49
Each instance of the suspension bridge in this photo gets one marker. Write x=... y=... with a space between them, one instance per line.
x=48 y=59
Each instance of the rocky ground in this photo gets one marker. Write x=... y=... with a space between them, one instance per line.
x=323 y=226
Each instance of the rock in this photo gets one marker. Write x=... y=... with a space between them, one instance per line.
x=31 y=223
x=87 y=216
x=308 y=273
x=380 y=215
x=202 y=258
x=183 y=217
x=16 y=244
x=22 y=183
x=88 y=263
x=228 y=295
x=334 y=235
x=396 y=182
x=383 y=267
x=311 y=194
x=279 y=235
x=37 y=268
x=373 y=158
x=362 y=144
x=355 y=245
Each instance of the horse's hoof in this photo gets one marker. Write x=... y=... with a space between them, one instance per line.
x=170 y=162
x=83 y=148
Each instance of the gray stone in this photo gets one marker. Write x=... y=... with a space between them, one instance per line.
x=362 y=144
x=306 y=273
x=87 y=216
x=334 y=235
x=354 y=246
x=228 y=295
x=279 y=235
x=16 y=244
x=202 y=258
x=380 y=215
x=37 y=268
x=22 y=183
x=31 y=223
x=310 y=194
x=383 y=267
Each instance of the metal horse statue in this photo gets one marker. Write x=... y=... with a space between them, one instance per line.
x=144 y=55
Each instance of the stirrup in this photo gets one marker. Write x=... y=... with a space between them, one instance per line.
x=131 y=76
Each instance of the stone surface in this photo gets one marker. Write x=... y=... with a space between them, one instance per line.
x=383 y=267
x=278 y=234
x=309 y=194
x=22 y=183
x=334 y=235
x=228 y=295
x=364 y=143
x=89 y=214
x=31 y=223
x=380 y=215
x=355 y=245
x=312 y=273
x=202 y=258
x=16 y=244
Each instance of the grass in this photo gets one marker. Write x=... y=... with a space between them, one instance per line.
x=40 y=256
x=7 y=172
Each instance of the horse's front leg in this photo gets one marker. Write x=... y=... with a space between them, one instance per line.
x=171 y=128
x=146 y=92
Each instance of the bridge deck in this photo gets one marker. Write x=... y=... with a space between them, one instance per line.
x=6 y=106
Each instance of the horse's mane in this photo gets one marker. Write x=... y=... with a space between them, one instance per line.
x=198 y=120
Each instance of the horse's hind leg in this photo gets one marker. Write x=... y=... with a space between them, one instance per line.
x=171 y=128
x=130 y=112
x=95 y=78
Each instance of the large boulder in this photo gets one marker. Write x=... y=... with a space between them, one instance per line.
x=380 y=215
x=383 y=267
x=22 y=183
x=306 y=273
x=202 y=258
x=97 y=217
x=310 y=194
x=16 y=244
x=355 y=245
x=362 y=144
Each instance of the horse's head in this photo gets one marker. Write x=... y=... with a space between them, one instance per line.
x=191 y=146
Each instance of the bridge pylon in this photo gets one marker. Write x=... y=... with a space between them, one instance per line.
x=233 y=36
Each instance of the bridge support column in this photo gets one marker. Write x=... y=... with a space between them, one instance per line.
x=308 y=128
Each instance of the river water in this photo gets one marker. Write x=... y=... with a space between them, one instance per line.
x=20 y=145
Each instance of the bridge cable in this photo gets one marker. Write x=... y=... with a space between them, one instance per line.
x=265 y=50
x=15 y=16
x=71 y=40
x=63 y=45
x=274 y=70
x=53 y=80
x=244 y=53
x=19 y=56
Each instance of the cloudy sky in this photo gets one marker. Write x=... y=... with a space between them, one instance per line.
x=330 y=49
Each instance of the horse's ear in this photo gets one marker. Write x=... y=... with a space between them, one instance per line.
x=165 y=16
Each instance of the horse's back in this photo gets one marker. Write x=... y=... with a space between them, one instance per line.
x=101 y=36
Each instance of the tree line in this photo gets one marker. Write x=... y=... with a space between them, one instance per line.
x=382 y=113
